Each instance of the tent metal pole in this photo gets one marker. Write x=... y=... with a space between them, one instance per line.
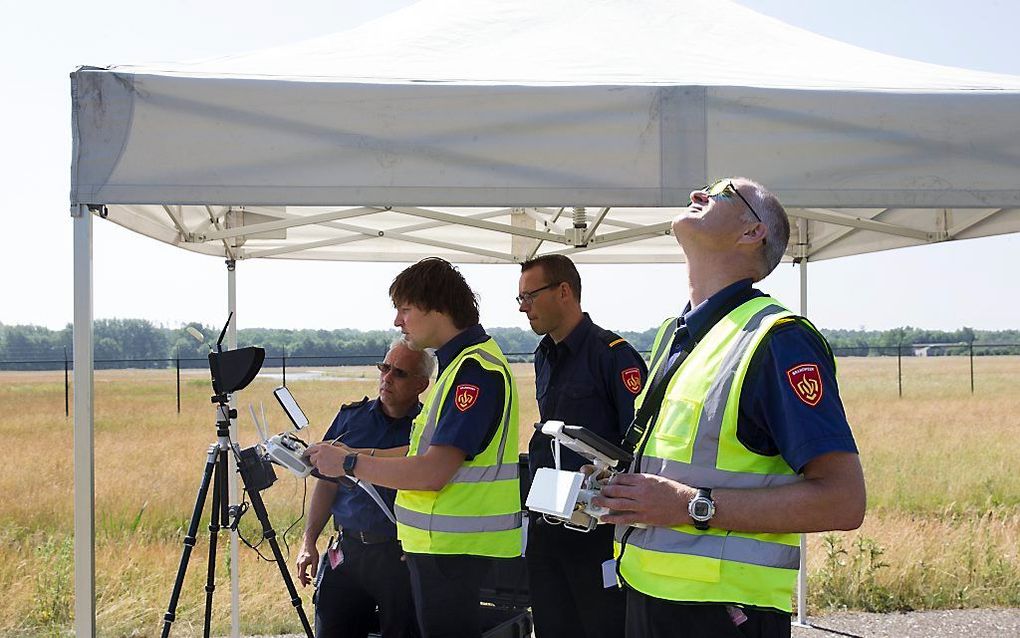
x=235 y=589
x=84 y=430
x=802 y=585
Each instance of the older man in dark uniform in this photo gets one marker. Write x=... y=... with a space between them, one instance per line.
x=363 y=567
x=584 y=375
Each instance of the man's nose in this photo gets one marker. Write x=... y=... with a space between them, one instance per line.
x=699 y=196
x=396 y=320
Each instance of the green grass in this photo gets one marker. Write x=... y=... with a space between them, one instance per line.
x=942 y=529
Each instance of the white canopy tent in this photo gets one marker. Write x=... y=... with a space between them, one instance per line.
x=494 y=130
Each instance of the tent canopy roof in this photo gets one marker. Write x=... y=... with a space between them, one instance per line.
x=587 y=42
x=472 y=129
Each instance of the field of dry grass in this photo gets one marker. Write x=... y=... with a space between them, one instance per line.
x=942 y=530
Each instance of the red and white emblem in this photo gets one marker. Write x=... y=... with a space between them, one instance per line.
x=465 y=396
x=806 y=381
x=632 y=379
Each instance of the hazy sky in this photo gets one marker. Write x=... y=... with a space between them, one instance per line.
x=942 y=286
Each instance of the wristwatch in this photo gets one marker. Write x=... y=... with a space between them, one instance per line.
x=701 y=508
x=349 y=462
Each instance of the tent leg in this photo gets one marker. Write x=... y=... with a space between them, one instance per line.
x=84 y=430
x=232 y=490
x=802 y=586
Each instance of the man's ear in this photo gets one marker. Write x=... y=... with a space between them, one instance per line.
x=564 y=290
x=754 y=235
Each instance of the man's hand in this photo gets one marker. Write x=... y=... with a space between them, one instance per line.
x=307 y=557
x=645 y=498
x=328 y=458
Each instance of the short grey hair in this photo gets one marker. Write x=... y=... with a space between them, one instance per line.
x=777 y=223
x=426 y=362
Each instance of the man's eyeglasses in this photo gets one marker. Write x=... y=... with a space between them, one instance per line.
x=726 y=188
x=527 y=298
x=387 y=368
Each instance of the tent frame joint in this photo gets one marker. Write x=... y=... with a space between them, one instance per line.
x=79 y=210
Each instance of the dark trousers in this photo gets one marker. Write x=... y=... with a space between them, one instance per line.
x=370 y=575
x=447 y=592
x=649 y=617
x=565 y=580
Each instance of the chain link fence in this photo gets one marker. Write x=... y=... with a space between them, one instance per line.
x=283 y=361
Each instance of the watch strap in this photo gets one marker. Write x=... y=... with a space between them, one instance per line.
x=350 y=461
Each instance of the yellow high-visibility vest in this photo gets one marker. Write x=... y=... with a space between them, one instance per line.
x=693 y=440
x=479 y=511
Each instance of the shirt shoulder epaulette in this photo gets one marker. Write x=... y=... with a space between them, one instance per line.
x=610 y=338
x=354 y=404
x=797 y=322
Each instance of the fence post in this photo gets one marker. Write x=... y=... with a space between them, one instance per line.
x=285 y=366
x=67 y=387
x=971 y=367
x=899 y=367
x=177 y=360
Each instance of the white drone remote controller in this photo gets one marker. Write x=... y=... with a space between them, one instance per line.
x=288 y=450
x=567 y=496
x=285 y=449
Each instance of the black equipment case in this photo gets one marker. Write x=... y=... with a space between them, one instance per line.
x=506 y=602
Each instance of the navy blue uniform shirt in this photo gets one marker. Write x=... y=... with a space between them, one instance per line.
x=365 y=425
x=591 y=378
x=470 y=428
x=773 y=418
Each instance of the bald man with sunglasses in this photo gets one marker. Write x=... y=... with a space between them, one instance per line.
x=363 y=566
x=741 y=440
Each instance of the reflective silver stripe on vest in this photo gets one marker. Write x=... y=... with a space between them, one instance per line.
x=665 y=343
x=706 y=441
x=465 y=524
x=508 y=401
x=712 y=477
x=484 y=474
x=732 y=548
x=432 y=418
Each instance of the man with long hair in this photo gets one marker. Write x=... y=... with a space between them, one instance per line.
x=458 y=496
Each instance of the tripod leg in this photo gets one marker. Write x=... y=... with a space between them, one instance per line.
x=267 y=532
x=217 y=518
x=189 y=539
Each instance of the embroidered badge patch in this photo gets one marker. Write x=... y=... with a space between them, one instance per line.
x=806 y=381
x=632 y=379
x=465 y=396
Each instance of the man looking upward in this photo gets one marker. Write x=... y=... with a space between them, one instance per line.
x=747 y=443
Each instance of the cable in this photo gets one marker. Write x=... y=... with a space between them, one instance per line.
x=304 y=500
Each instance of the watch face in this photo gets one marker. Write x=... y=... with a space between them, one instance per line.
x=701 y=509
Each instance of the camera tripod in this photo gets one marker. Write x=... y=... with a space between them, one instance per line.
x=256 y=475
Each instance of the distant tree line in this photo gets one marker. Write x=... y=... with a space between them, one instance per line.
x=145 y=344
x=913 y=340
